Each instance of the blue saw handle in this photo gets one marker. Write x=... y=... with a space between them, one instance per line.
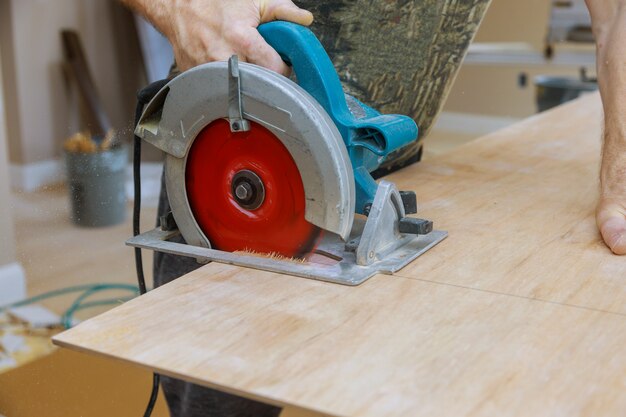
x=301 y=49
x=370 y=139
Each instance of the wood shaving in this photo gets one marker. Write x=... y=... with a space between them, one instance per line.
x=83 y=142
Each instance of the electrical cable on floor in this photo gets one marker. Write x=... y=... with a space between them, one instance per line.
x=104 y=302
x=143 y=97
x=67 y=318
x=83 y=306
x=91 y=288
x=99 y=303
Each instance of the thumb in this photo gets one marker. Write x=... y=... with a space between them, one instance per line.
x=614 y=233
x=285 y=10
x=612 y=224
x=261 y=53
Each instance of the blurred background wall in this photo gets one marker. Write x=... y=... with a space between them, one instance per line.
x=495 y=85
x=7 y=254
x=41 y=108
x=12 y=280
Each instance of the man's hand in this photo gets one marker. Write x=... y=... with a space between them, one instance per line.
x=609 y=29
x=611 y=209
x=202 y=31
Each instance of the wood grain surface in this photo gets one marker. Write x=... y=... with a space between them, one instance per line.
x=519 y=312
x=519 y=205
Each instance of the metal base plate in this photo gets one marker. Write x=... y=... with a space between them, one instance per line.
x=339 y=266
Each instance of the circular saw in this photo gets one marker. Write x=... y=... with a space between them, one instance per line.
x=257 y=163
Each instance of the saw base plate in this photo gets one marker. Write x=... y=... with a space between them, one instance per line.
x=336 y=264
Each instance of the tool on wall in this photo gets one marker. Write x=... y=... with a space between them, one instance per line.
x=77 y=67
x=259 y=164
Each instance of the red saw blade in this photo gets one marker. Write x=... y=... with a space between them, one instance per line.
x=246 y=193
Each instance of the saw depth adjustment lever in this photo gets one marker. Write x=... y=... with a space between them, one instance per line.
x=235 y=107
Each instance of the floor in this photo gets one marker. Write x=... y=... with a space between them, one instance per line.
x=56 y=254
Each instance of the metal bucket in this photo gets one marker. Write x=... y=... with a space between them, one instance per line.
x=96 y=184
x=551 y=91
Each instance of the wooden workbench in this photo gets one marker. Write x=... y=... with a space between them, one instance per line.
x=521 y=311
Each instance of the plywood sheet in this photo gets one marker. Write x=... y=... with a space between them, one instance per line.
x=391 y=347
x=518 y=312
x=519 y=207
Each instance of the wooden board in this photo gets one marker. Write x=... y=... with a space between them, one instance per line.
x=518 y=312
x=519 y=205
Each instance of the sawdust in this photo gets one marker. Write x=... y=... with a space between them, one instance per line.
x=271 y=255
x=83 y=142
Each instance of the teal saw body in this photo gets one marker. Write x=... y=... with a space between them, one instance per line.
x=369 y=136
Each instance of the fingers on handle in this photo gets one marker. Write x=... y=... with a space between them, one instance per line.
x=286 y=10
x=261 y=53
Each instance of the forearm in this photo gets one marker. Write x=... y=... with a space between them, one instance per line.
x=608 y=21
x=611 y=68
x=609 y=29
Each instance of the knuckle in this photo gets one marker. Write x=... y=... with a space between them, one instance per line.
x=238 y=38
x=219 y=55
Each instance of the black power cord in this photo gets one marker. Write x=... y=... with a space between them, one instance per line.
x=143 y=97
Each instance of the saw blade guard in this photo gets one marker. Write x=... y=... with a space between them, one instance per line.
x=368 y=135
x=197 y=97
